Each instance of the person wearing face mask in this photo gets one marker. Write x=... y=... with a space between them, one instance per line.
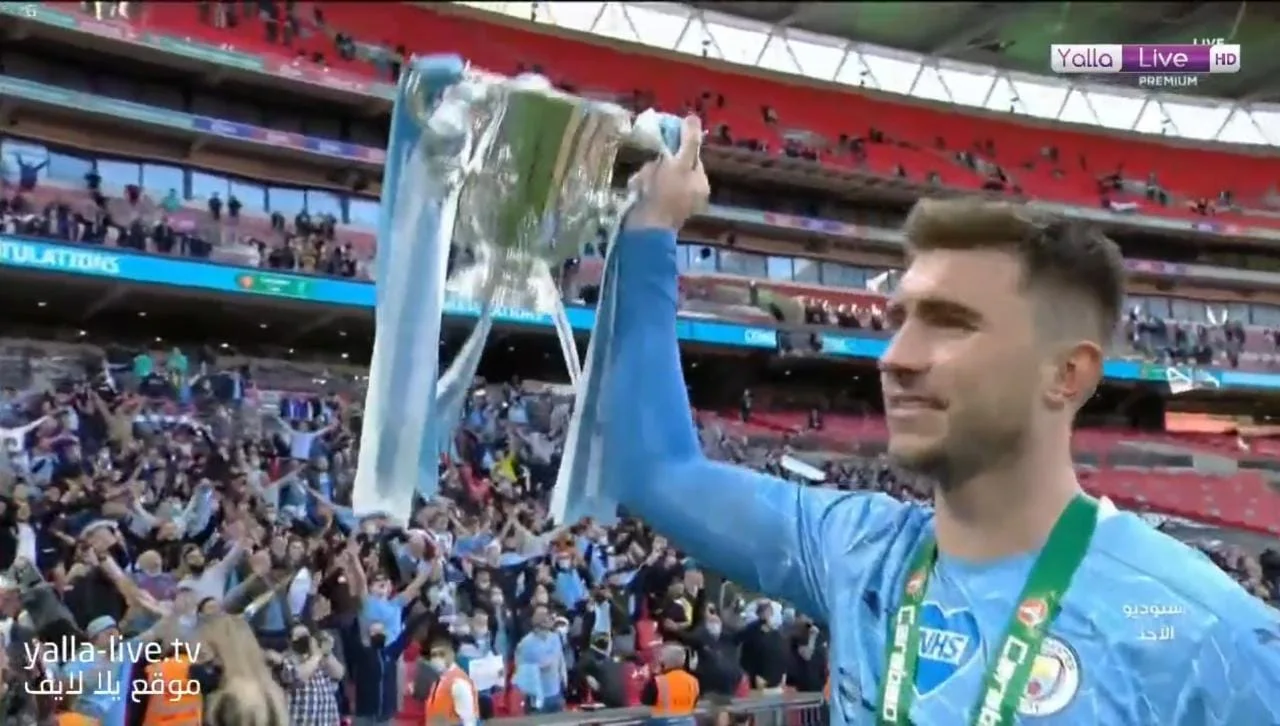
x=541 y=671
x=571 y=578
x=453 y=698
x=502 y=623
x=310 y=675
x=717 y=669
x=539 y=597
x=379 y=604
x=475 y=639
x=373 y=666
x=597 y=677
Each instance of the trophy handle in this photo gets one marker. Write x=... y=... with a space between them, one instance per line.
x=414 y=237
x=579 y=490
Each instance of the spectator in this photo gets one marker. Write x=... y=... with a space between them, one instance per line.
x=599 y=678
x=453 y=698
x=764 y=651
x=372 y=663
x=311 y=675
x=673 y=692
x=541 y=671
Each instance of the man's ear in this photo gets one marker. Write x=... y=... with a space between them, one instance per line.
x=1073 y=374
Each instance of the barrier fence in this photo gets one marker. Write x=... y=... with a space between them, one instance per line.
x=791 y=709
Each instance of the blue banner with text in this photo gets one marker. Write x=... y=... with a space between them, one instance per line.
x=17 y=252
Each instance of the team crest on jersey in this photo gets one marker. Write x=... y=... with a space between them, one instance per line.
x=1055 y=680
x=949 y=640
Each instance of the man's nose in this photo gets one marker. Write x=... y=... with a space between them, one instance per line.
x=908 y=353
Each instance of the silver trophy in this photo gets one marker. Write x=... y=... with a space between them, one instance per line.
x=491 y=184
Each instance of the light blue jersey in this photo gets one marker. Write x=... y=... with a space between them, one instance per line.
x=1150 y=631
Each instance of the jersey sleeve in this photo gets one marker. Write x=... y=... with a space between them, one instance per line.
x=764 y=533
x=1236 y=673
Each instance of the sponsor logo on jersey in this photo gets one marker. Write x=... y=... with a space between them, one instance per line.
x=914 y=583
x=1032 y=612
x=1055 y=680
x=949 y=640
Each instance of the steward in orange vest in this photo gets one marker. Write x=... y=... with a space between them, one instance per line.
x=70 y=718
x=674 y=693
x=174 y=697
x=453 y=698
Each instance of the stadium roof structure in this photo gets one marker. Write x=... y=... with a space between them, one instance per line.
x=992 y=56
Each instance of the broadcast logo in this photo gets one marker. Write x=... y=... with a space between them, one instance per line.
x=1151 y=65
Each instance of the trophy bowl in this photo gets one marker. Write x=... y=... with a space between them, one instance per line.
x=491 y=185
x=533 y=168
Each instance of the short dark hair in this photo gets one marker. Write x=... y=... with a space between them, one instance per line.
x=443 y=639
x=1061 y=255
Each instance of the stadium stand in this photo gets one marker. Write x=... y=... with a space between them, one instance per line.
x=226 y=466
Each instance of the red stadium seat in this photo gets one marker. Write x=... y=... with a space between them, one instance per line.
x=676 y=82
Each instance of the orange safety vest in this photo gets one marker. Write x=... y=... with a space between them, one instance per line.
x=166 y=708
x=440 y=706
x=677 y=694
x=69 y=718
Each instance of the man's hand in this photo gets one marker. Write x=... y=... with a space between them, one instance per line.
x=260 y=564
x=320 y=608
x=672 y=188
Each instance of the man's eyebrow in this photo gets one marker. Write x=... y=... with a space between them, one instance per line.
x=934 y=307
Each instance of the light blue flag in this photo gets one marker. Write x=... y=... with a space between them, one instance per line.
x=413 y=249
x=451 y=398
x=579 y=490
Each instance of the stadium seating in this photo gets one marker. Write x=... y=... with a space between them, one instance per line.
x=1243 y=500
x=913 y=130
x=920 y=140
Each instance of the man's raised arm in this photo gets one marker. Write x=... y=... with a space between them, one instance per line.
x=766 y=534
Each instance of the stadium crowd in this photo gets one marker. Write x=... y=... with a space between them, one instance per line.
x=148 y=497
x=134 y=221
x=144 y=495
x=138 y=501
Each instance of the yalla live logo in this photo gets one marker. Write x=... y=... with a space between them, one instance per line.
x=1144 y=59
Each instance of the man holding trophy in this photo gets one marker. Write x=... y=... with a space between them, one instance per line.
x=999 y=605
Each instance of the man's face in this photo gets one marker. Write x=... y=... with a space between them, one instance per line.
x=961 y=374
x=541 y=618
x=101 y=540
x=380 y=587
